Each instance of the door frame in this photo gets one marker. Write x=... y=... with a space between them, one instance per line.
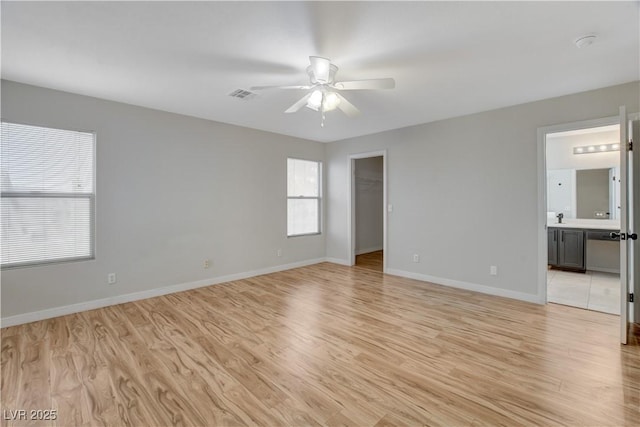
x=351 y=212
x=542 y=190
x=542 y=187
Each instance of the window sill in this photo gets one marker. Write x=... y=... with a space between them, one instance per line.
x=303 y=235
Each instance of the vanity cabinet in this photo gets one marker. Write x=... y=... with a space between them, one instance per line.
x=566 y=248
x=552 y=246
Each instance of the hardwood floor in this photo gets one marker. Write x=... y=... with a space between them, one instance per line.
x=371 y=260
x=324 y=345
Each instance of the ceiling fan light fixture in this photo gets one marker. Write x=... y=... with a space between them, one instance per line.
x=324 y=93
x=330 y=102
x=321 y=71
x=315 y=100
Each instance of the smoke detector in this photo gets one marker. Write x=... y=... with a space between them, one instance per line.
x=585 y=41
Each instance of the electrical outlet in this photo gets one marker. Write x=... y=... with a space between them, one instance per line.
x=111 y=278
x=279 y=252
x=206 y=263
x=493 y=270
x=416 y=258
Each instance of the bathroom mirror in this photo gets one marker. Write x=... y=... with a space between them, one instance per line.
x=584 y=193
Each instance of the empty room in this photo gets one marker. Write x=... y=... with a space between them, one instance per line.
x=320 y=213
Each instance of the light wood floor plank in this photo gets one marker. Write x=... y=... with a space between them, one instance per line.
x=371 y=261
x=33 y=390
x=11 y=371
x=325 y=345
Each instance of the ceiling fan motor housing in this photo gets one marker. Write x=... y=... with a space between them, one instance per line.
x=315 y=80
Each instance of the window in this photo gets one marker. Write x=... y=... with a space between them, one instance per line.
x=48 y=196
x=303 y=197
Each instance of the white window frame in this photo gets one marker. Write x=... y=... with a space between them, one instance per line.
x=318 y=198
x=39 y=195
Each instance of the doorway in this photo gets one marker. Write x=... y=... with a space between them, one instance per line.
x=550 y=251
x=369 y=207
x=367 y=210
x=583 y=209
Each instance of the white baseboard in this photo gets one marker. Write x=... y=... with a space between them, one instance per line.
x=467 y=286
x=49 y=313
x=338 y=261
x=368 y=250
x=604 y=270
x=135 y=296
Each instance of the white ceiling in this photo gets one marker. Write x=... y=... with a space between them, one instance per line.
x=448 y=58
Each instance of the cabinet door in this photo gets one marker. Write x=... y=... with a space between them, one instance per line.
x=571 y=248
x=552 y=246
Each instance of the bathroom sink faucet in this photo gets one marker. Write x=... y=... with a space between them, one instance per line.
x=560 y=216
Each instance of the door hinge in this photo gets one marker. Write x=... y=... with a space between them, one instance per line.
x=630 y=145
x=630 y=297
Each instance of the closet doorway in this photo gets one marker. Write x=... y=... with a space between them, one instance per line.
x=368 y=213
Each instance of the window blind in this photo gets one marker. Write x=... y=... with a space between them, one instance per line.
x=48 y=194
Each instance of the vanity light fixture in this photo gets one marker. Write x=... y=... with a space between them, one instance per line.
x=601 y=148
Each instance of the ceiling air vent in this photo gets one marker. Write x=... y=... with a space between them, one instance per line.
x=243 y=94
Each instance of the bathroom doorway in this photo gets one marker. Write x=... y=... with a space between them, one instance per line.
x=583 y=218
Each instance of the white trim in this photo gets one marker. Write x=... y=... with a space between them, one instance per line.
x=543 y=254
x=319 y=197
x=338 y=261
x=351 y=203
x=467 y=286
x=49 y=313
x=369 y=250
x=604 y=270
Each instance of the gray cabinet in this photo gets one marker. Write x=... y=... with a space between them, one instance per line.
x=552 y=245
x=566 y=248
x=571 y=248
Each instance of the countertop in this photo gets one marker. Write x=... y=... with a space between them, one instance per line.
x=587 y=224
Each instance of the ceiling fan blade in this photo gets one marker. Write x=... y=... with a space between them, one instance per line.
x=348 y=108
x=278 y=87
x=299 y=104
x=366 y=84
x=321 y=68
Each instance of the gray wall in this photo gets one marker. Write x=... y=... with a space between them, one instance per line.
x=174 y=190
x=465 y=190
x=369 y=208
x=592 y=192
x=171 y=192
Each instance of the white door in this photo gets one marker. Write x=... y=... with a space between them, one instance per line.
x=627 y=233
x=635 y=244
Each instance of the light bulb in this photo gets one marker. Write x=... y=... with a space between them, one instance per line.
x=603 y=148
x=579 y=150
x=315 y=100
x=591 y=148
x=331 y=101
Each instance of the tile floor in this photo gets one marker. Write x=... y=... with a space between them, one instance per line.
x=592 y=290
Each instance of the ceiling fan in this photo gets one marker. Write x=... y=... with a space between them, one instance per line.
x=324 y=92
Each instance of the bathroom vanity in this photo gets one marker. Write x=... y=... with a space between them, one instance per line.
x=567 y=241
